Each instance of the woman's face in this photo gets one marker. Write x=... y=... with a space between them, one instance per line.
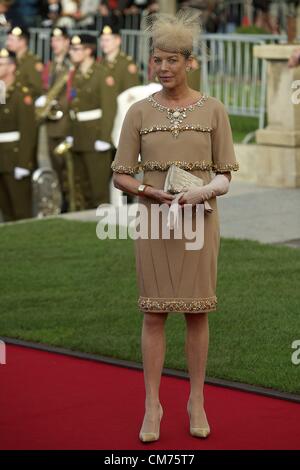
x=170 y=68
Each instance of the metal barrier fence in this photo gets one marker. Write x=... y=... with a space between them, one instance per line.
x=229 y=71
x=2 y=38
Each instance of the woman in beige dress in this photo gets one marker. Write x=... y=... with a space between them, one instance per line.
x=176 y=125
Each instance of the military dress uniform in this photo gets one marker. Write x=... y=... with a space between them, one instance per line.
x=16 y=150
x=29 y=80
x=28 y=74
x=57 y=130
x=29 y=66
x=91 y=167
x=119 y=75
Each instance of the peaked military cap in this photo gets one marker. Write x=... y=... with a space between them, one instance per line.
x=59 y=32
x=19 y=31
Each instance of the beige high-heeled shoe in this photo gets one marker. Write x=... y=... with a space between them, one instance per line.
x=203 y=431
x=152 y=436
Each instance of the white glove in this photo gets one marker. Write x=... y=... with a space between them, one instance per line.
x=40 y=102
x=219 y=185
x=101 y=146
x=173 y=214
x=20 y=173
x=70 y=140
x=175 y=208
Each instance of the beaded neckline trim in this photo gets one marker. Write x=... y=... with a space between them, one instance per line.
x=176 y=116
x=190 y=107
x=175 y=130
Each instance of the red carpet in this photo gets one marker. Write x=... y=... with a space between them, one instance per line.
x=51 y=401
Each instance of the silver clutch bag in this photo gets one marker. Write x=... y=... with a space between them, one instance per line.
x=178 y=180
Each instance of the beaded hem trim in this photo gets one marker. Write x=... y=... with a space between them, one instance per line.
x=226 y=167
x=177 y=305
x=175 y=129
x=127 y=169
x=163 y=166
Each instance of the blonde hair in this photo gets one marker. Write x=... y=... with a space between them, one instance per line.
x=174 y=33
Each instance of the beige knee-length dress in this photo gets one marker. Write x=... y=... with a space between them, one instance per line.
x=197 y=138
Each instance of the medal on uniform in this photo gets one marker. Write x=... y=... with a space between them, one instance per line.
x=71 y=92
x=110 y=81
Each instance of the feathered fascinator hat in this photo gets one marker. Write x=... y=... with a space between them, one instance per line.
x=174 y=33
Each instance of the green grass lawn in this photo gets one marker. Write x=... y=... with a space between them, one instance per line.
x=62 y=286
x=241 y=126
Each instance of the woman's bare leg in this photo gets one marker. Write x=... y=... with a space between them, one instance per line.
x=153 y=352
x=197 y=339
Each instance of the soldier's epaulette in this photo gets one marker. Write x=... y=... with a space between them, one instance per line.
x=129 y=58
x=122 y=54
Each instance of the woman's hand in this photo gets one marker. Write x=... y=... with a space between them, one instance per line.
x=197 y=195
x=159 y=195
x=194 y=196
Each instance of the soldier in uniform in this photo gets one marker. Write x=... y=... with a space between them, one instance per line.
x=86 y=97
x=120 y=71
x=16 y=142
x=29 y=66
x=55 y=77
x=29 y=70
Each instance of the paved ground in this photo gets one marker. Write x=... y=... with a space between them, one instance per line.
x=268 y=215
